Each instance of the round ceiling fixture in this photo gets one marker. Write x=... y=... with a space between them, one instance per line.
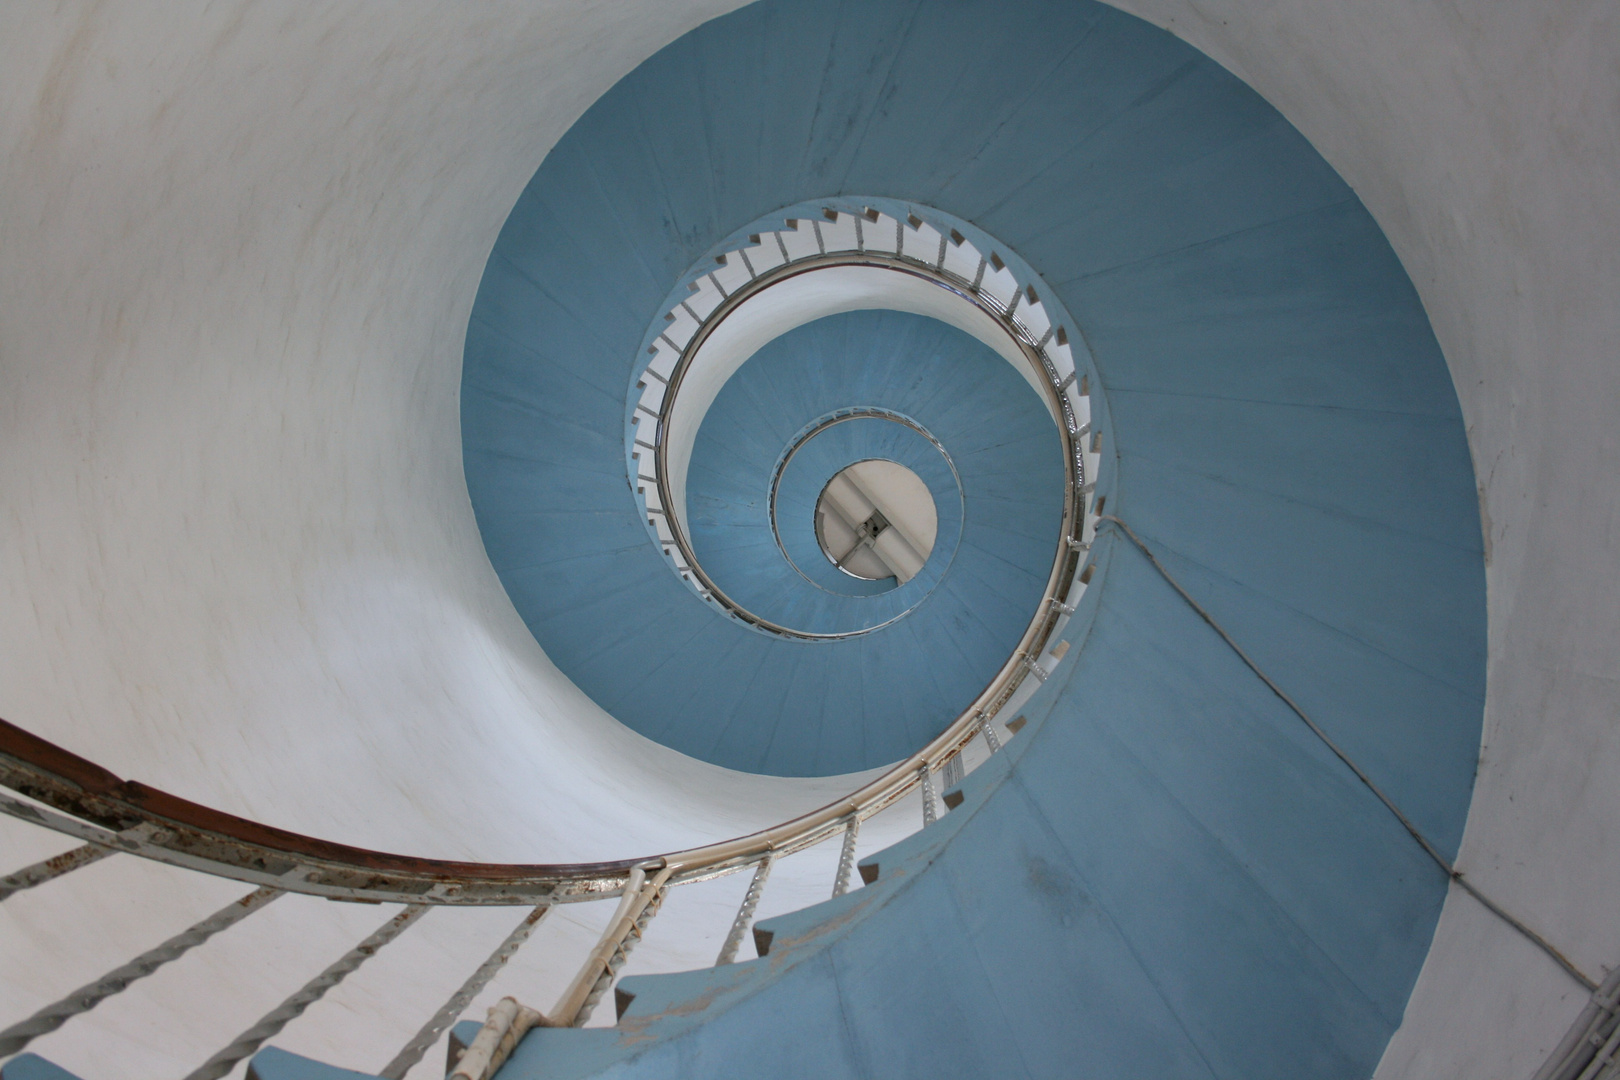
x=876 y=520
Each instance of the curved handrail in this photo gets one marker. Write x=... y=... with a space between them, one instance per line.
x=82 y=799
x=1034 y=350
x=810 y=431
x=132 y=816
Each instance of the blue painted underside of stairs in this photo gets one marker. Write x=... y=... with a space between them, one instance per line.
x=1003 y=502
x=1166 y=875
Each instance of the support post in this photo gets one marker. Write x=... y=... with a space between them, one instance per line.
x=988 y=731
x=637 y=905
x=424 y=1039
x=508 y=1022
x=930 y=812
x=745 y=914
x=846 y=857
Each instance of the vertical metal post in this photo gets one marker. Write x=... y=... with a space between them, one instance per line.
x=988 y=731
x=85 y=998
x=637 y=904
x=424 y=1039
x=508 y=1022
x=926 y=776
x=53 y=867
x=745 y=914
x=248 y=1043
x=846 y=857
x=649 y=906
x=953 y=772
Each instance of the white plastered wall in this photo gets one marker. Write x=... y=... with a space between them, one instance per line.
x=238 y=245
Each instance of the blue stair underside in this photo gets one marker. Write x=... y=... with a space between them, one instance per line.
x=1166 y=875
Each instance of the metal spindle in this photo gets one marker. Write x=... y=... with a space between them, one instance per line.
x=745 y=914
x=638 y=901
x=846 y=857
x=926 y=776
x=988 y=731
x=424 y=1039
x=621 y=954
x=85 y=998
x=248 y=1043
x=53 y=867
x=505 y=1027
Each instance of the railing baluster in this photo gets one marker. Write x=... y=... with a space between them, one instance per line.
x=53 y=867
x=745 y=914
x=991 y=739
x=637 y=905
x=953 y=772
x=620 y=955
x=926 y=776
x=424 y=1039
x=85 y=998
x=248 y=1043
x=846 y=857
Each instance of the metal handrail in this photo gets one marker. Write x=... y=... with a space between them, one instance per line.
x=1035 y=353
x=810 y=431
x=83 y=800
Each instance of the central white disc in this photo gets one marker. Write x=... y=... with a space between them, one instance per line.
x=876 y=519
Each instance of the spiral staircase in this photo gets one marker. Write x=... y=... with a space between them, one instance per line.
x=1163 y=758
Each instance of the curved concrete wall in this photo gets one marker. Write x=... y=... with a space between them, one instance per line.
x=306 y=186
